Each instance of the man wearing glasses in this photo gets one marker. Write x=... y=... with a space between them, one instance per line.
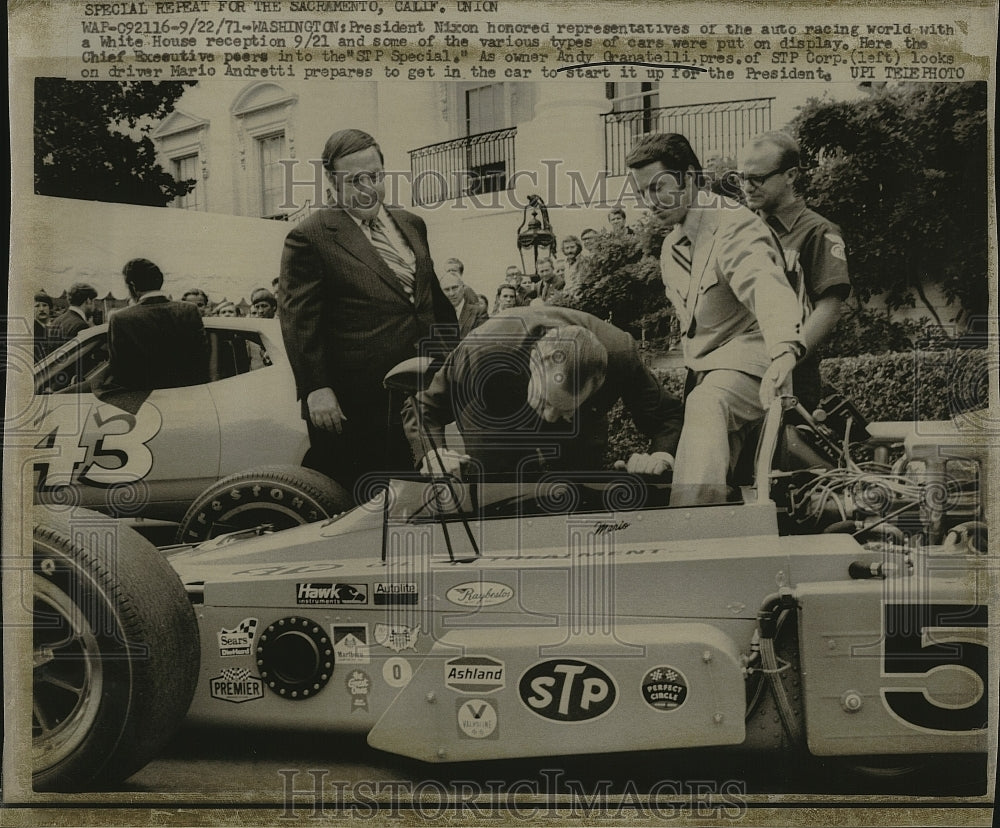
x=812 y=245
x=740 y=318
x=357 y=294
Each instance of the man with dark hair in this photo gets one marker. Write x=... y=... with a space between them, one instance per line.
x=76 y=317
x=154 y=342
x=813 y=247
x=506 y=298
x=535 y=385
x=43 y=315
x=740 y=318
x=358 y=294
x=616 y=218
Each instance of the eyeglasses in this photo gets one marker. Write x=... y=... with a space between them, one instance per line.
x=758 y=180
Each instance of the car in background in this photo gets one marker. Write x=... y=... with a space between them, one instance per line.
x=165 y=461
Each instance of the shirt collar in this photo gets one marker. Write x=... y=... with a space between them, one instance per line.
x=79 y=312
x=787 y=216
x=150 y=294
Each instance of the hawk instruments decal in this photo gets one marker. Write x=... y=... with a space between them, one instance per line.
x=314 y=594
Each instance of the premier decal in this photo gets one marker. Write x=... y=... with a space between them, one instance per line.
x=479 y=594
x=396 y=637
x=474 y=674
x=237 y=685
x=237 y=641
x=350 y=644
x=313 y=593
x=567 y=690
x=664 y=688
x=478 y=719
x=395 y=593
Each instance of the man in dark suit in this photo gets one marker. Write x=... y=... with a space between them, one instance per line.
x=469 y=309
x=153 y=343
x=536 y=384
x=76 y=317
x=358 y=295
x=43 y=315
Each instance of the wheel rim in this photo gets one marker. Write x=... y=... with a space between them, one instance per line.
x=68 y=678
x=252 y=516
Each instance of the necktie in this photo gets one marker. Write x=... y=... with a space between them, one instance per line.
x=681 y=252
x=386 y=249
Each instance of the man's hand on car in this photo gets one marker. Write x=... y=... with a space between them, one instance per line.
x=655 y=464
x=324 y=410
x=443 y=461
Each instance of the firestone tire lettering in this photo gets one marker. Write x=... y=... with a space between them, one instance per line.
x=282 y=496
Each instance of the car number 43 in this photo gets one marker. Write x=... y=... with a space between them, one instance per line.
x=102 y=446
x=935 y=666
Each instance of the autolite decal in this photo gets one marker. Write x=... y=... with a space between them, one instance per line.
x=395 y=593
x=313 y=593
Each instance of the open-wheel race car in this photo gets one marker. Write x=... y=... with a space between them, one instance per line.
x=834 y=607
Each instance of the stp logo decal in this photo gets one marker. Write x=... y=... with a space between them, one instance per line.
x=567 y=690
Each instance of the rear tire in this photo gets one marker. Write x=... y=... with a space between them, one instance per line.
x=116 y=651
x=279 y=496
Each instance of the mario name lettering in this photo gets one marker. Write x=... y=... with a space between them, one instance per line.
x=605 y=528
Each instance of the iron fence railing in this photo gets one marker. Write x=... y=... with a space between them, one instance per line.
x=714 y=129
x=470 y=165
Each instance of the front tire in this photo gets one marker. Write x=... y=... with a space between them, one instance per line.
x=278 y=496
x=116 y=651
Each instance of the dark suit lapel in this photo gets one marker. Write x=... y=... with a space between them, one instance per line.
x=350 y=237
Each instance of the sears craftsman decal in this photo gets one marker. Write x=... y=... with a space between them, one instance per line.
x=664 y=688
x=314 y=593
x=397 y=637
x=474 y=674
x=237 y=641
x=350 y=644
x=935 y=666
x=478 y=719
x=395 y=593
x=567 y=690
x=236 y=685
x=479 y=594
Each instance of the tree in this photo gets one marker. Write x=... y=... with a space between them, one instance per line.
x=903 y=172
x=83 y=145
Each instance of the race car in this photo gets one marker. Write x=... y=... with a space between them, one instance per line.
x=490 y=618
x=163 y=462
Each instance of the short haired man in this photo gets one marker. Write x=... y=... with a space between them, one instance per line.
x=358 y=295
x=263 y=304
x=153 y=343
x=470 y=312
x=549 y=284
x=813 y=246
x=616 y=218
x=506 y=298
x=76 y=317
x=740 y=318
x=515 y=277
x=589 y=239
x=198 y=298
x=537 y=384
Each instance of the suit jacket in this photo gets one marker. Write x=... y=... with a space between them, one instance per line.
x=473 y=313
x=344 y=316
x=155 y=343
x=483 y=384
x=736 y=307
x=67 y=325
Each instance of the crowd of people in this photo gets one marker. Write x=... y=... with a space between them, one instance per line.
x=756 y=283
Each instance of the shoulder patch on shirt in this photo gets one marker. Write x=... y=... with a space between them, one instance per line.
x=836 y=246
